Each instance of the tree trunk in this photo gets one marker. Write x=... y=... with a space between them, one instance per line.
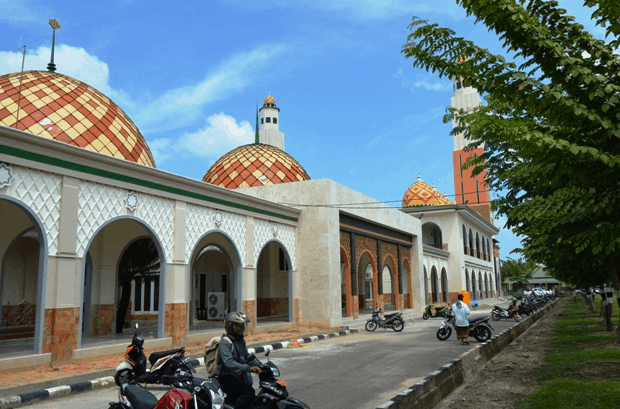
x=588 y=299
x=605 y=310
x=123 y=306
x=615 y=285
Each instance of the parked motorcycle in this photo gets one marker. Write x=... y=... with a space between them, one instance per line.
x=479 y=328
x=440 y=312
x=394 y=321
x=511 y=312
x=163 y=363
x=188 y=393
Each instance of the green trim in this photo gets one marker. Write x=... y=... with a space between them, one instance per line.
x=434 y=254
x=478 y=265
x=128 y=179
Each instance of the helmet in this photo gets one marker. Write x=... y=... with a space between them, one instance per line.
x=233 y=319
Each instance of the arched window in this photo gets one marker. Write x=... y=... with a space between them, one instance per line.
x=434 y=285
x=425 y=286
x=484 y=249
x=464 y=240
x=489 y=249
x=444 y=285
x=471 y=243
x=431 y=235
x=477 y=246
x=467 y=281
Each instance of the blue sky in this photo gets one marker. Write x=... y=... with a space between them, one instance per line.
x=191 y=73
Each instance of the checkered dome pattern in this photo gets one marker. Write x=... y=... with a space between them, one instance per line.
x=59 y=107
x=422 y=194
x=255 y=165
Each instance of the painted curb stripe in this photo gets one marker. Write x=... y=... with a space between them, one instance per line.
x=39 y=395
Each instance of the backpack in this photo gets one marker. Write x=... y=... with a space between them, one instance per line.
x=211 y=353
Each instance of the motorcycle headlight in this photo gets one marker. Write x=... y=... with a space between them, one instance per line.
x=275 y=371
x=217 y=398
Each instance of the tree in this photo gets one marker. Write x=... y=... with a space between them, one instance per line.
x=550 y=125
x=518 y=271
x=139 y=261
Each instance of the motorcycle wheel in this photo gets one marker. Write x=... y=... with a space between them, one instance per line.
x=484 y=334
x=123 y=376
x=495 y=316
x=444 y=333
x=517 y=317
x=425 y=316
x=371 y=326
x=398 y=326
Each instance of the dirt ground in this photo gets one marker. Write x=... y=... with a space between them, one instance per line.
x=48 y=373
x=507 y=378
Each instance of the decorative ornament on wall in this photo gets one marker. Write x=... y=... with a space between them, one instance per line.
x=218 y=218
x=274 y=229
x=132 y=201
x=5 y=175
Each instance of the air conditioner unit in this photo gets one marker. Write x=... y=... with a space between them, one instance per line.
x=215 y=306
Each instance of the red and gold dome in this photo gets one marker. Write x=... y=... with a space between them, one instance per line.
x=255 y=165
x=59 y=107
x=423 y=194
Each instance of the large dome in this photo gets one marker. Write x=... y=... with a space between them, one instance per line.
x=59 y=107
x=255 y=165
x=423 y=194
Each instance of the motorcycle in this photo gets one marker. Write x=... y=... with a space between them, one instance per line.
x=479 y=328
x=163 y=363
x=440 y=312
x=273 y=393
x=507 y=313
x=394 y=321
x=188 y=392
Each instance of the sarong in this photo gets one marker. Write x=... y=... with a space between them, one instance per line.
x=462 y=333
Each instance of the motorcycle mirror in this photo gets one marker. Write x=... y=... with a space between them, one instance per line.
x=267 y=353
x=136 y=325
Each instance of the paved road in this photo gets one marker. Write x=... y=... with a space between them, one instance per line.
x=357 y=371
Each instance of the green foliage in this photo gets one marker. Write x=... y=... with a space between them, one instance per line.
x=550 y=126
x=569 y=394
x=518 y=271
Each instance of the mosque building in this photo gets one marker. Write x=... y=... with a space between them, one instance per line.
x=79 y=192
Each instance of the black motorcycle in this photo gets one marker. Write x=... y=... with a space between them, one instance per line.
x=163 y=364
x=479 y=328
x=188 y=392
x=394 y=321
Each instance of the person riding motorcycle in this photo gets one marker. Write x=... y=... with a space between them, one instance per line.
x=235 y=363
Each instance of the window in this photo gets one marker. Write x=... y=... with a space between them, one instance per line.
x=268 y=120
x=477 y=192
x=262 y=120
x=145 y=294
x=461 y=167
x=283 y=261
x=275 y=120
x=368 y=290
x=459 y=85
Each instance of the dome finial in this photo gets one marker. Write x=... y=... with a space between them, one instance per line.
x=419 y=177
x=51 y=67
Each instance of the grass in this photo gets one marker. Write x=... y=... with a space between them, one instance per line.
x=582 y=369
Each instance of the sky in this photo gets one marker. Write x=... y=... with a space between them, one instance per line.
x=190 y=74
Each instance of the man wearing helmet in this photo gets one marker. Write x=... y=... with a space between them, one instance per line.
x=235 y=363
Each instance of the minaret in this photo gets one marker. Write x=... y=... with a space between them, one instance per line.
x=269 y=133
x=468 y=189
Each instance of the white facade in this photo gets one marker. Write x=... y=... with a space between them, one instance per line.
x=465 y=97
x=269 y=133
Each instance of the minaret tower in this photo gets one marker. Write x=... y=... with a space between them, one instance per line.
x=269 y=133
x=468 y=189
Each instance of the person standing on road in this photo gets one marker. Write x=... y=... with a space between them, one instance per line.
x=236 y=363
x=461 y=311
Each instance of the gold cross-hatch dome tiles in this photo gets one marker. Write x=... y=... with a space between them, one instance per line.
x=59 y=107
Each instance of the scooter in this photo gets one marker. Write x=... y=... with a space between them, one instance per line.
x=509 y=313
x=273 y=393
x=163 y=363
x=439 y=312
x=394 y=321
x=478 y=328
x=188 y=393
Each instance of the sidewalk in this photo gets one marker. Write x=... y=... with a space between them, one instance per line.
x=16 y=396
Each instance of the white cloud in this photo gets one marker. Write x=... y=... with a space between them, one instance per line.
x=220 y=134
x=427 y=81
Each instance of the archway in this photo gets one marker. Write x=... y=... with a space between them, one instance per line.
x=23 y=262
x=123 y=267
x=406 y=282
x=491 y=288
x=345 y=284
x=426 y=300
x=477 y=246
x=471 y=243
x=215 y=280
x=480 y=285
x=484 y=249
x=444 y=285
x=274 y=284
x=474 y=287
x=366 y=272
x=464 y=240
x=431 y=235
x=434 y=286
x=467 y=287
x=388 y=288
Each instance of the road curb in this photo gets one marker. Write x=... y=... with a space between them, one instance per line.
x=108 y=381
x=428 y=392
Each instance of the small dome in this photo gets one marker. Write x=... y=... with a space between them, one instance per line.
x=255 y=165
x=269 y=101
x=423 y=194
x=59 y=107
